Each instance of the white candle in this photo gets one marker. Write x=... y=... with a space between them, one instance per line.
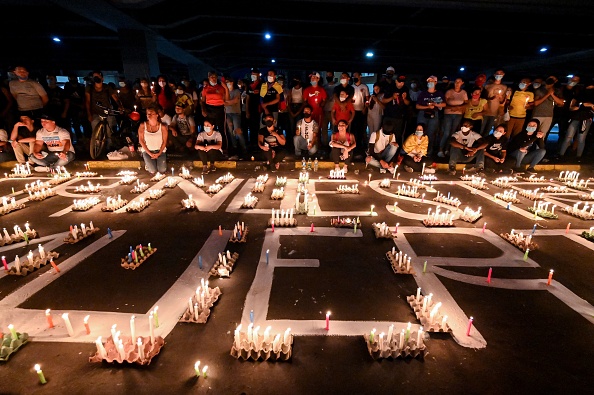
x=132 y=327
x=68 y=324
x=140 y=349
x=100 y=349
x=287 y=337
x=151 y=329
x=420 y=337
x=121 y=351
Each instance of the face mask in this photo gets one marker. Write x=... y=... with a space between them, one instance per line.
x=531 y=129
x=389 y=77
x=465 y=129
x=343 y=99
x=499 y=77
x=314 y=83
x=270 y=79
x=572 y=83
x=550 y=81
x=269 y=123
x=536 y=85
x=306 y=114
x=122 y=84
x=254 y=77
x=497 y=134
x=430 y=85
x=413 y=85
x=418 y=133
x=207 y=129
x=179 y=92
x=212 y=83
x=49 y=82
x=329 y=79
x=21 y=78
x=97 y=80
x=343 y=81
x=230 y=86
x=521 y=85
x=355 y=80
x=162 y=84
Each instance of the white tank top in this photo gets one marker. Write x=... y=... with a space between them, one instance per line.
x=297 y=95
x=153 y=140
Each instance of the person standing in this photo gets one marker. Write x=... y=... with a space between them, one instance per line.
x=253 y=108
x=165 y=95
x=60 y=150
x=375 y=109
x=397 y=107
x=456 y=100
x=545 y=100
x=429 y=103
x=582 y=109
x=295 y=102
x=562 y=114
x=214 y=96
x=74 y=107
x=360 y=97
x=496 y=95
x=30 y=96
x=56 y=101
x=520 y=101
x=233 y=118
x=326 y=125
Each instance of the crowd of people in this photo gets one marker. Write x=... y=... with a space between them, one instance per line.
x=494 y=125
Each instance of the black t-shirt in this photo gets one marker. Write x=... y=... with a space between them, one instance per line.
x=269 y=139
x=584 y=113
x=254 y=95
x=396 y=108
x=522 y=140
x=495 y=146
x=23 y=132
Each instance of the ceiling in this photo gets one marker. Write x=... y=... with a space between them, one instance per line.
x=416 y=38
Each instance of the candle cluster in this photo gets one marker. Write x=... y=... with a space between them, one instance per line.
x=36 y=186
x=137 y=206
x=533 y=178
x=60 y=176
x=123 y=173
x=475 y=181
x=382 y=230
x=225 y=179
x=406 y=344
x=399 y=262
x=41 y=195
x=438 y=218
x=20 y=171
x=281 y=217
x=76 y=234
x=427 y=311
x=113 y=204
x=185 y=173
x=83 y=174
x=261 y=346
x=542 y=210
x=199 y=181
x=343 y=222
x=428 y=177
x=263 y=178
x=280 y=181
x=259 y=187
x=89 y=188
x=9 y=204
x=128 y=179
x=214 y=189
x=337 y=175
x=385 y=183
x=249 y=201
x=470 y=215
x=524 y=243
x=239 y=234
x=278 y=193
x=224 y=264
x=568 y=176
x=304 y=177
x=120 y=349
x=509 y=196
x=407 y=190
x=200 y=303
x=302 y=207
x=155 y=194
x=503 y=182
x=555 y=189
x=157 y=177
x=582 y=185
x=137 y=256
x=32 y=262
x=350 y=189
x=532 y=195
x=417 y=183
x=586 y=196
x=580 y=213
x=85 y=204
x=451 y=201
x=588 y=234
x=18 y=235
x=171 y=182
x=10 y=344
x=139 y=187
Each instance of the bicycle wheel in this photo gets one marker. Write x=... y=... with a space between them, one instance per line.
x=98 y=140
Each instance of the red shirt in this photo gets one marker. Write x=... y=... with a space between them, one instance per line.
x=343 y=114
x=314 y=96
x=214 y=95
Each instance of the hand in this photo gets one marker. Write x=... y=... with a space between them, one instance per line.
x=38 y=155
x=524 y=150
x=189 y=143
x=265 y=148
x=384 y=164
x=62 y=155
x=174 y=133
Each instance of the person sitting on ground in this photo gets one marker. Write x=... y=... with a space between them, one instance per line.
x=152 y=136
x=271 y=142
x=415 y=148
x=23 y=138
x=306 y=133
x=183 y=130
x=524 y=147
x=209 y=144
x=60 y=150
x=466 y=146
x=496 y=150
x=383 y=148
x=5 y=154
x=342 y=144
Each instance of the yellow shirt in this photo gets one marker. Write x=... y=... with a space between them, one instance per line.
x=519 y=102
x=472 y=109
x=412 y=146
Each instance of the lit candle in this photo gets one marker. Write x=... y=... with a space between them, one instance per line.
x=267 y=256
x=204 y=369
x=390 y=332
x=484 y=227
x=328 y=321
x=418 y=294
x=86 y=323
x=197 y=368
x=252 y=316
x=132 y=327
x=68 y=324
x=287 y=336
x=419 y=337
x=156 y=316
x=526 y=254
x=100 y=349
x=567 y=229
x=151 y=328
x=424 y=266
x=13 y=332
x=48 y=316
x=40 y=374
x=469 y=326
x=550 y=277
x=371 y=335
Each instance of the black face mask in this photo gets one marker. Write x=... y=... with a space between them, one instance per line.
x=356 y=80
x=550 y=81
x=97 y=80
x=306 y=115
x=329 y=79
x=269 y=123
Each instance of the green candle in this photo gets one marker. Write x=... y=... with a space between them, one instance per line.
x=526 y=254
x=197 y=368
x=150 y=248
x=355 y=228
x=371 y=335
x=13 y=332
x=141 y=251
x=424 y=266
x=40 y=374
x=156 y=317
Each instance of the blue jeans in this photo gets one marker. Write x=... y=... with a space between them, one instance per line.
x=234 y=131
x=387 y=155
x=576 y=126
x=457 y=155
x=301 y=144
x=450 y=124
x=154 y=165
x=532 y=157
x=52 y=159
x=431 y=126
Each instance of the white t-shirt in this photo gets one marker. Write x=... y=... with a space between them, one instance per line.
x=54 y=140
x=3 y=135
x=209 y=139
x=381 y=141
x=361 y=92
x=307 y=129
x=467 y=140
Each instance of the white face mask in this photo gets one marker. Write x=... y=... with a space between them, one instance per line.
x=270 y=79
x=230 y=86
x=497 y=134
x=254 y=77
x=179 y=91
x=122 y=84
x=343 y=81
x=465 y=129
x=419 y=133
x=212 y=83
x=207 y=129
x=499 y=77
x=343 y=99
x=313 y=82
x=162 y=84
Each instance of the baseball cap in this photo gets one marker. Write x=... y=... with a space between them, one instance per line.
x=432 y=77
x=47 y=117
x=390 y=69
x=315 y=74
x=445 y=77
x=255 y=70
x=401 y=78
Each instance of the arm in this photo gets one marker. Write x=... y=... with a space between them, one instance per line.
x=64 y=153
x=37 y=149
x=263 y=147
x=164 y=133
x=279 y=137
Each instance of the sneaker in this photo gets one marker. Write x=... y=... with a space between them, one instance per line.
x=234 y=157
x=441 y=154
x=213 y=168
x=382 y=171
x=452 y=170
x=408 y=169
x=42 y=169
x=204 y=169
x=530 y=170
x=391 y=170
x=430 y=170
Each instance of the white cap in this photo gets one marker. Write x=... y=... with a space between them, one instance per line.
x=390 y=69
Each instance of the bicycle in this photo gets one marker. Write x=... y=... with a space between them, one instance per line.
x=126 y=128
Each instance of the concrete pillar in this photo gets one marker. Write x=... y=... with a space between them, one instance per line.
x=139 y=53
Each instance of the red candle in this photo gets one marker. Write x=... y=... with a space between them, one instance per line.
x=567 y=229
x=550 y=277
x=54 y=265
x=86 y=322
x=50 y=322
x=273 y=226
x=489 y=275
x=220 y=231
x=4 y=262
x=328 y=321
x=312 y=227
x=484 y=227
x=469 y=326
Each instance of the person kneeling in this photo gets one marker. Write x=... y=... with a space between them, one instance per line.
x=271 y=142
x=383 y=148
x=209 y=144
x=466 y=146
x=415 y=147
x=306 y=135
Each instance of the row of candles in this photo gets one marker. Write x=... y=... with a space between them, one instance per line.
x=582 y=213
x=337 y=174
x=503 y=182
x=20 y=170
x=568 y=176
x=451 y=201
x=42 y=195
x=85 y=204
x=30 y=259
x=531 y=194
x=74 y=231
x=439 y=218
x=470 y=215
x=139 y=187
x=138 y=250
x=249 y=201
x=350 y=189
x=18 y=234
x=138 y=205
x=128 y=179
x=280 y=181
x=278 y=193
x=400 y=259
x=36 y=186
x=427 y=310
x=408 y=190
x=112 y=204
x=582 y=184
x=475 y=181
x=252 y=339
x=509 y=196
x=89 y=188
